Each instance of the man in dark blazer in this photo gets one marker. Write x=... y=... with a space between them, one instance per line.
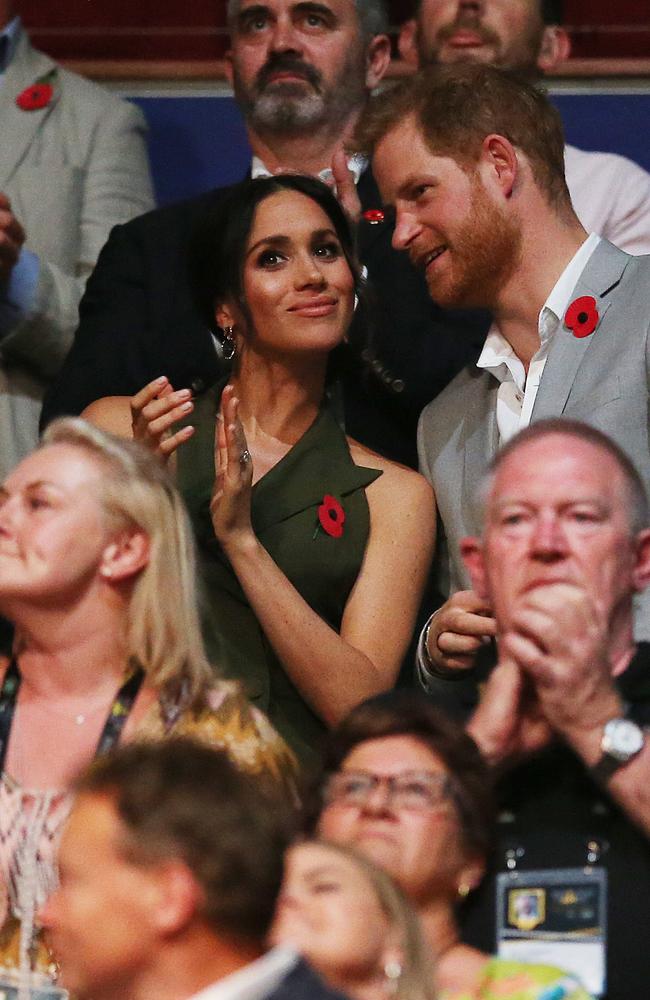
x=483 y=209
x=301 y=78
x=171 y=863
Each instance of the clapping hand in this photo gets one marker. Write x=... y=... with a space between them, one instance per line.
x=230 y=507
x=155 y=410
x=559 y=637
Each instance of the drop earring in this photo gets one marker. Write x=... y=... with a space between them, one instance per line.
x=392 y=972
x=228 y=345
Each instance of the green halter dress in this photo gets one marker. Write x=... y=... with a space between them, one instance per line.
x=322 y=567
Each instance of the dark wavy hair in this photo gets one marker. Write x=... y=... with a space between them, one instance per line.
x=218 y=246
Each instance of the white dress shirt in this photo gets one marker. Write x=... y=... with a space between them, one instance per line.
x=255 y=981
x=517 y=392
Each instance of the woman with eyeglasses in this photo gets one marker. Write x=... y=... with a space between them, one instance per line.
x=408 y=788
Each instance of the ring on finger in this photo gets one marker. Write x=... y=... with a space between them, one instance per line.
x=244 y=458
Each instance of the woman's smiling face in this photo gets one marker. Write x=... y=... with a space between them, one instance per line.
x=297 y=284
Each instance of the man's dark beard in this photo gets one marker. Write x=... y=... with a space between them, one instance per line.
x=285 y=62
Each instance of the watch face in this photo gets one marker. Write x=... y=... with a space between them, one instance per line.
x=622 y=739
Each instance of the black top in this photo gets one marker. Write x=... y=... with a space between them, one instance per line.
x=551 y=807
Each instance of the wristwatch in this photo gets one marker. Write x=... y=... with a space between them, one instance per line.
x=621 y=741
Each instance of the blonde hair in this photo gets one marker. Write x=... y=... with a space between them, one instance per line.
x=416 y=978
x=163 y=633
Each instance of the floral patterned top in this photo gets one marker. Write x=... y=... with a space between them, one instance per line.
x=31 y=821
x=504 y=979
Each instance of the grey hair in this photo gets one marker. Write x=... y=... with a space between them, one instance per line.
x=637 y=507
x=163 y=633
x=373 y=16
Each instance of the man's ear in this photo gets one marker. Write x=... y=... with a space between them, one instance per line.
x=176 y=897
x=471 y=549
x=407 y=42
x=498 y=163
x=377 y=60
x=555 y=47
x=125 y=555
x=641 y=573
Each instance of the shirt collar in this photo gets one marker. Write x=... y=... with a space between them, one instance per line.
x=256 y=980
x=497 y=355
x=560 y=296
x=8 y=42
x=357 y=163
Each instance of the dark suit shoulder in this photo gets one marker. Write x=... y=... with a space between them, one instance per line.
x=302 y=983
x=183 y=214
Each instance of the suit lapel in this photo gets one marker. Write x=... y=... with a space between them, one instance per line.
x=481 y=442
x=599 y=278
x=19 y=127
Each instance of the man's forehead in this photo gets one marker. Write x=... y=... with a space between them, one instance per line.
x=278 y=6
x=556 y=463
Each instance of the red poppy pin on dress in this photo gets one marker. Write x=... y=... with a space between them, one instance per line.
x=38 y=95
x=582 y=316
x=331 y=516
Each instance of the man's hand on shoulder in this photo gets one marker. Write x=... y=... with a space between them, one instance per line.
x=12 y=238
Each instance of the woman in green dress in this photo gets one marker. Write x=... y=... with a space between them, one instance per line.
x=314 y=549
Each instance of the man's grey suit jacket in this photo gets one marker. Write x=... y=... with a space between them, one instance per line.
x=72 y=170
x=601 y=379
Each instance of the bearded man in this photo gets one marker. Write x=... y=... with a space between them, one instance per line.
x=611 y=194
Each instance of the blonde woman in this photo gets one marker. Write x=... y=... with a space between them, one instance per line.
x=353 y=924
x=97 y=576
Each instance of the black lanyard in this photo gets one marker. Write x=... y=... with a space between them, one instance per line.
x=117 y=716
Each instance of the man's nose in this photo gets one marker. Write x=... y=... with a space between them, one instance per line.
x=406 y=229
x=476 y=6
x=285 y=37
x=548 y=539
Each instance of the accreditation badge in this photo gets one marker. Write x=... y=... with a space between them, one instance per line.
x=555 y=917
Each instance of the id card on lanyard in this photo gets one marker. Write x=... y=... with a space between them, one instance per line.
x=556 y=916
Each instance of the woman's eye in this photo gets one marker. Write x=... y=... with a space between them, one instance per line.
x=270 y=258
x=328 y=251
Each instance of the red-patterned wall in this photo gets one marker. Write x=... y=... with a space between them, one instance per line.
x=161 y=29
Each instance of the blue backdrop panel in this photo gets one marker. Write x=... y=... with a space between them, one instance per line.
x=197 y=143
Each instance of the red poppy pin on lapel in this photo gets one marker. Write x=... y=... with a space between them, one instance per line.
x=38 y=95
x=331 y=516
x=582 y=316
x=374 y=216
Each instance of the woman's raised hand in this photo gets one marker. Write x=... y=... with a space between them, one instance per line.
x=155 y=410
x=230 y=507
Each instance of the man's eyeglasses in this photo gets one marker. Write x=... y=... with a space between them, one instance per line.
x=408 y=790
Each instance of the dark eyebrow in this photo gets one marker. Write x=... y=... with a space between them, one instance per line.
x=309 y=7
x=322 y=234
x=251 y=12
x=278 y=240
x=282 y=242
